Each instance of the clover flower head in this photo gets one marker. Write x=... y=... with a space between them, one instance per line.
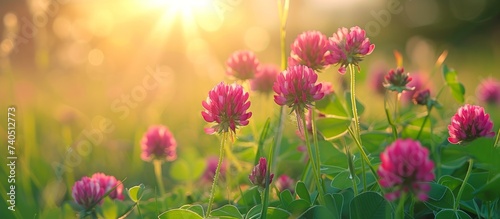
x=327 y=88
x=406 y=168
x=242 y=65
x=227 y=106
x=418 y=82
x=349 y=47
x=397 y=80
x=310 y=49
x=489 y=91
x=87 y=192
x=264 y=79
x=297 y=88
x=422 y=97
x=258 y=174
x=158 y=143
x=109 y=182
x=470 y=122
x=285 y=182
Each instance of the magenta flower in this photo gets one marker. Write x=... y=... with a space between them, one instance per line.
x=310 y=49
x=258 y=175
x=327 y=88
x=489 y=91
x=87 y=192
x=418 y=82
x=209 y=173
x=158 y=143
x=265 y=78
x=406 y=168
x=227 y=106
x=349 y=47
x=398 y=80
x=296 y=87
x=107 y=183
x=422 y=97
x=242 y=65
x=470 y=122
x=285 y=182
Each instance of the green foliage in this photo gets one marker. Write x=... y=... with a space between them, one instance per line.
x=135 y=193
x=359 y=105
x=250 y=197
x=454 y=184
x=491 y=190
x=302 y=192
x=186 y=192
x=317 y=212
x=227 y=211
x=333 y=106
x=457 y=89
x=179 y=214
x=451 y=214
x=183 y=170
x=440 y=197
x=343 y=180
x=198 y=209
x=332 y=128
x=370 y=205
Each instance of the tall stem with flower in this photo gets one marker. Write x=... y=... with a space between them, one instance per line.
x=469 y=123
x=311 y=49
x=348 y=48
x=158 y=145
x=296 y=87
x=397 y=81
x=227 y=106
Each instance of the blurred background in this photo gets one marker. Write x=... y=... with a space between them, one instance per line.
x=70 y=66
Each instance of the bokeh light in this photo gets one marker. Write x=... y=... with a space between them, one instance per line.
x=68 y=64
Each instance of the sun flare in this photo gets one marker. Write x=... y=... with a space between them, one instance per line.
x=179 y=5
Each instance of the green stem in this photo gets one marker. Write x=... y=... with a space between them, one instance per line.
x=363 y=154
x=159 y=179
x=217 y=172
x=396 y=107
x=319 y=184
x=265 y=194
x=350 y=164
x=429 y=109
x=139 y=209
x=283 y=13
x=316 y=145
x=429 y=113
x=497 y=139
x=283 y=16
x=353 y=101
x=412 y=207
x=400 y=211
x=388 y=116
x=357 y=132
x=488 y=205
x=464 y=183
x=278 y=135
